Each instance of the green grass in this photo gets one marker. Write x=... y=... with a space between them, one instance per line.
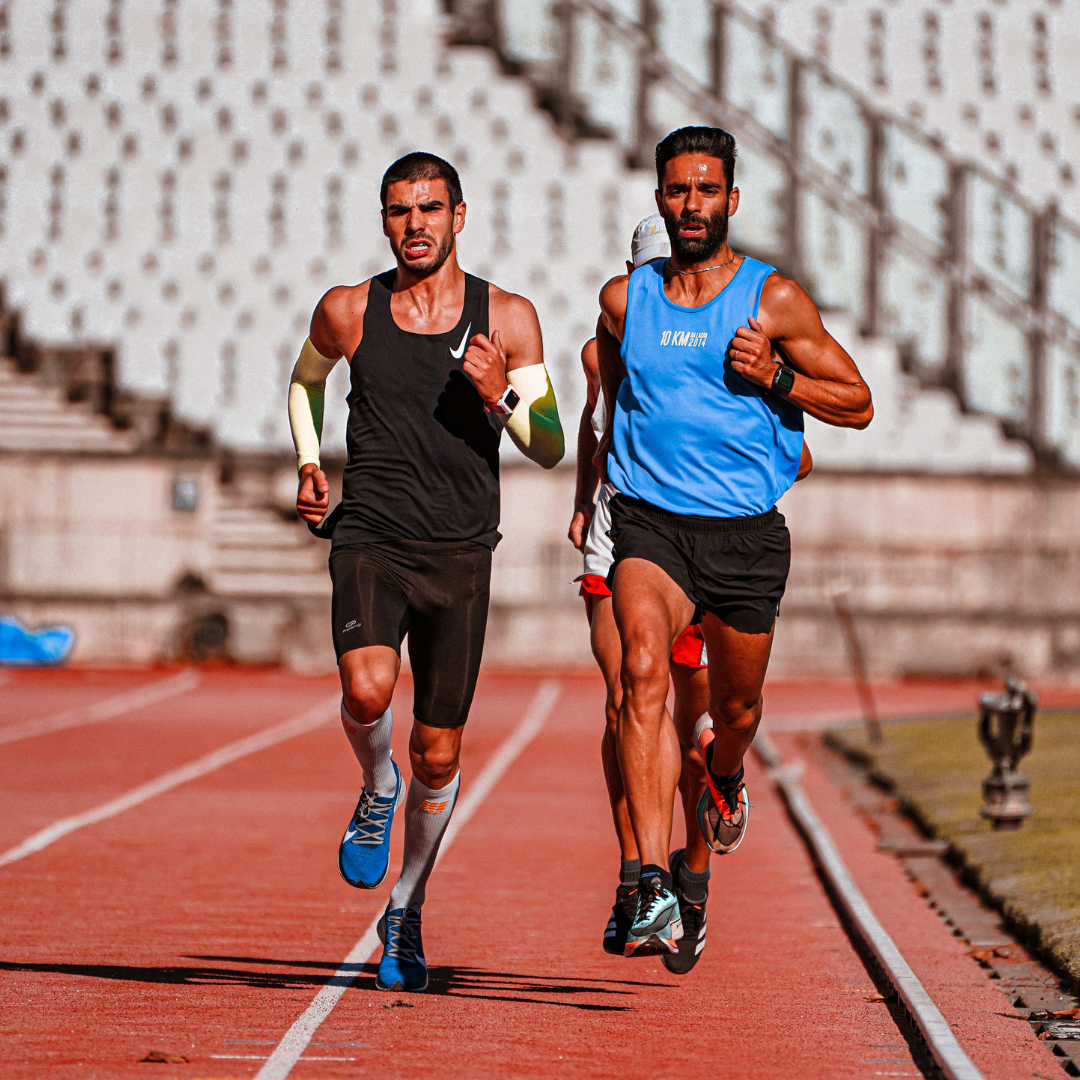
x=936 y=768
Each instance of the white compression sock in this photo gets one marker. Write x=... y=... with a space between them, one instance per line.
x=427 y=813
x=371 y=745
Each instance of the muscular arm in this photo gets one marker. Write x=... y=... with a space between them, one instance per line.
x=336 y=328
x=828 y=385
x=806 y=463
x=587 y=476
x=612 y=372
x=515 y=353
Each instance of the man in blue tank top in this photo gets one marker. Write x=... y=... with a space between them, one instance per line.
x=704 y=435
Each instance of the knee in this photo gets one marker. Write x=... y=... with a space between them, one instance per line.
x=367 y=694
x=735 y=713
x=434 y=766
x=644 y=666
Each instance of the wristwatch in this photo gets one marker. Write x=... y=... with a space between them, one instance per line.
x=783 y=380
x=507 y=403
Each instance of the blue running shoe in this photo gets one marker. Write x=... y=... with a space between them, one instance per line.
x=402 y=966
x=364 y=854
x=658 y=926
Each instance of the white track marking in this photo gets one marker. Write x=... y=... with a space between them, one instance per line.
x=252 y=744
x=297 y=1038
x=108 y=709
x=947 y=1052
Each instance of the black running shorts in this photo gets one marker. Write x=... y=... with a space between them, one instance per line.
x=734 y=567
x=437 y=593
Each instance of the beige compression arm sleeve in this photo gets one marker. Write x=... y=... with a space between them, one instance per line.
x=534 y=425
x=307 y=389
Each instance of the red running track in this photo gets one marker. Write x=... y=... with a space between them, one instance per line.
x=202 y=922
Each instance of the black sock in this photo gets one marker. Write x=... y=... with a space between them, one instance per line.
x=693 y=886
x=721 y=781
x=630 y=871
x=651 y=870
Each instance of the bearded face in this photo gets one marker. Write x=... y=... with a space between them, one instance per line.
x=700 y=246
x=421 y=224
x=424 y=253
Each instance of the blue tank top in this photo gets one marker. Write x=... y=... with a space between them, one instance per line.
x=690 y=434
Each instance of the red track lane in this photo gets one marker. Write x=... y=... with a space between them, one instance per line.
x=203 y=922
x=27 y=694
x=994 y=1035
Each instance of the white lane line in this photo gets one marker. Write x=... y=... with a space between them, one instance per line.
x=108 y=709
x=252 y=744
x=943 y=1045
x=263 y=1057
x=297 y=1038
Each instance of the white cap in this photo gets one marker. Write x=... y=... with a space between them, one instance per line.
x=650 y=241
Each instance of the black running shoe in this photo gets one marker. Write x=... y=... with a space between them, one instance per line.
x=692 y=943
x=622 y=915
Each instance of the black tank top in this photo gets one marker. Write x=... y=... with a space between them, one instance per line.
x=423 y=451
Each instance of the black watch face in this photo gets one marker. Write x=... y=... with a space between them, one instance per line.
x=511 y=397
x=783 y=380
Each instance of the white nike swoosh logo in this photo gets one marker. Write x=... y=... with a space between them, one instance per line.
x=459 y=352
x=350 y=834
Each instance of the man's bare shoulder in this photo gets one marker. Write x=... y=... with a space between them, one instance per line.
x=508 y=306
x=782 y=298
x=613 y=294
x=343 y=303
x=338 y=322
x=589 y=361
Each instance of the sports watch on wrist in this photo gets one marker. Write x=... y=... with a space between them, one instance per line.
x=783 y=380
x=507 y=403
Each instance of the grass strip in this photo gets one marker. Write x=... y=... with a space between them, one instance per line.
x=936 y=766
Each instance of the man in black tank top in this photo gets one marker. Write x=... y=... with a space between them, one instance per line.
x=441 y=362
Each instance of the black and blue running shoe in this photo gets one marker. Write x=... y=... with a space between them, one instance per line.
x=364 y=855
x=402 y=966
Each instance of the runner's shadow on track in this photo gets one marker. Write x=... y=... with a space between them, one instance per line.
x=444 y=981
x=487 y=985
x=189 y=976
x=371 y=968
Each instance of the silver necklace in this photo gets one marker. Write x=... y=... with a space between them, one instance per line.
x=705 y=270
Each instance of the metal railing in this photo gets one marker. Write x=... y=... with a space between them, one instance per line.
x=980 y=287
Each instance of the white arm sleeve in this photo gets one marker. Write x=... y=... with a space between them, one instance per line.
x=307 y=390
x=534 y=425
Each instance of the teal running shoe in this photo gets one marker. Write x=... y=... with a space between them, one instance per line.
x=658 y=926
x=402 y=966
x=364 y=855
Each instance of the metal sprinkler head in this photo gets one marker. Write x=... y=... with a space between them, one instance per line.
x=1005 y=727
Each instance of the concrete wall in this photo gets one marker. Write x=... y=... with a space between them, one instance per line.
x=944 y=575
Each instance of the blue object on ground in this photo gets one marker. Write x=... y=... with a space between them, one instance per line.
x=18 y=645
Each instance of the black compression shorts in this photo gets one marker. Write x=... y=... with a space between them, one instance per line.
x=734 y=567
x=437 y=593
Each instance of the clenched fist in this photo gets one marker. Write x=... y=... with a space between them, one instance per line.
x=485 y=364
x=751 y=355
x=313 y=498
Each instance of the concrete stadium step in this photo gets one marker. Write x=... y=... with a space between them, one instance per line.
x=271 y=584
x=18 y=439
x=258 y=553
x=914 y=427
x=35 y=417
x=259 y=559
